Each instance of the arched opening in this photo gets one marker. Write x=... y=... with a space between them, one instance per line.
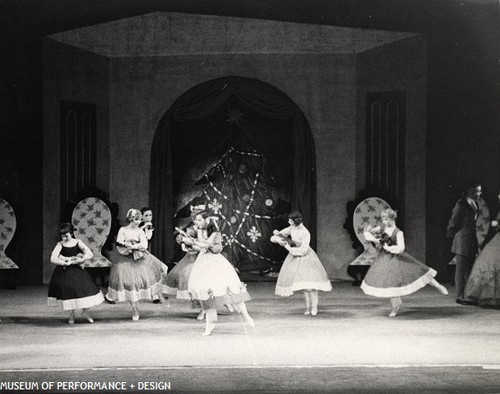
x=243 y=149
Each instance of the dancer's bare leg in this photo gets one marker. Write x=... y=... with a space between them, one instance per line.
x=71 y=319
x=396 y=304
x=136 y=315
x=314 y=302
x=439 y=286
x=210 y=318
x=307 y=297
x=243 y=309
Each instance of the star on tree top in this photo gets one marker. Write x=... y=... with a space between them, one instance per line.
x=234 y=116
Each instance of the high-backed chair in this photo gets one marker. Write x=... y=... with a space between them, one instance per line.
x=92 y=221
x=367 y=212
x=8 y=226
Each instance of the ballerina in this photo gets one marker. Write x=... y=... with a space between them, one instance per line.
x=70 y=283
x=302 y=269
x=394 y=273
x=213 y=281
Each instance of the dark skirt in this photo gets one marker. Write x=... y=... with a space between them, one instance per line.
x=483 y=285
x=74 y=287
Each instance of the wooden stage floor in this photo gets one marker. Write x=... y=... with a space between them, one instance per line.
x=433 y=345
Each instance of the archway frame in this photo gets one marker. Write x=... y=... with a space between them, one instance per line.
x=200 y=102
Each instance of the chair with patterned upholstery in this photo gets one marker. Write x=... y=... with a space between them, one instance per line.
x=92 y=221
x=367 y=212
x=8 y=226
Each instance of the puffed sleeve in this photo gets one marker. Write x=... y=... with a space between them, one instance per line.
x=215 y=244
x=286 y=232
x=400 y=247
x=143 y=241
x=369 y=236
x=120 y=240
x=304 y=246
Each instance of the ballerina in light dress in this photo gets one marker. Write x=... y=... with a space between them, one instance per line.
x=302 y=269
x=213 y=281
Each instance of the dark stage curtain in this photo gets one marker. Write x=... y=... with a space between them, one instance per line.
x=203 y=101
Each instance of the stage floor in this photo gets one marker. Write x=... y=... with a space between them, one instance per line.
x=350 y=345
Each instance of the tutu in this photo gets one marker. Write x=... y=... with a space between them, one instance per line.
x=72 y=286
x=302 y=273
x=483 y=286
x=396 y=275
x=134 y=280
x=176 y=283
x=214 y=282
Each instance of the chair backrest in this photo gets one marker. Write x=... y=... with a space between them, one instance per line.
x=8 y=226
x=92 y=221
x=367 y=213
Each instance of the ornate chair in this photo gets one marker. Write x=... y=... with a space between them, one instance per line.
x=367 y=212
x=92 y=221
x=8 y=226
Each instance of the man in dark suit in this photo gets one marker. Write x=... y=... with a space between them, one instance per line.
x=462 y=228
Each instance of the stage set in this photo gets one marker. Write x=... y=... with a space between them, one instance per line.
x=248 y=112
x=433 y=345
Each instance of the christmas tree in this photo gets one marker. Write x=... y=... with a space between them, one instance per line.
x=226 y=163
x=240 y=192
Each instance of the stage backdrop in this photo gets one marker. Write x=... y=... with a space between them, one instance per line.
x=245 y=147
x=135 y=69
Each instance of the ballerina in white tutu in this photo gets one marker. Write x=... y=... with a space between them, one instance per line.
x=301 y=269
x=213 y=281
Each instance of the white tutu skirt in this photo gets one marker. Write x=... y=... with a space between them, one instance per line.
x=134 y=280
x=302 y=273
x=214 y=282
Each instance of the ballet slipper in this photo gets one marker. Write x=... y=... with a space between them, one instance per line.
x=443 y=290
x=250 y=321
x=71 y=320
x=394 y=311
x=229 y=307
x=86 y=316
x=208 y=329
x=136 y=315
x=314 y=311
x=307 y=312
x=201 y=315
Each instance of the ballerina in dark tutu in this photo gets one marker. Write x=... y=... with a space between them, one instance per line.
x=70 y=284
x=395 y=273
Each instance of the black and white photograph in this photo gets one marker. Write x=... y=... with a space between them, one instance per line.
x=272 y=196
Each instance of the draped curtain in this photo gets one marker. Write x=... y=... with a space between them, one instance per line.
x=202 y=101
